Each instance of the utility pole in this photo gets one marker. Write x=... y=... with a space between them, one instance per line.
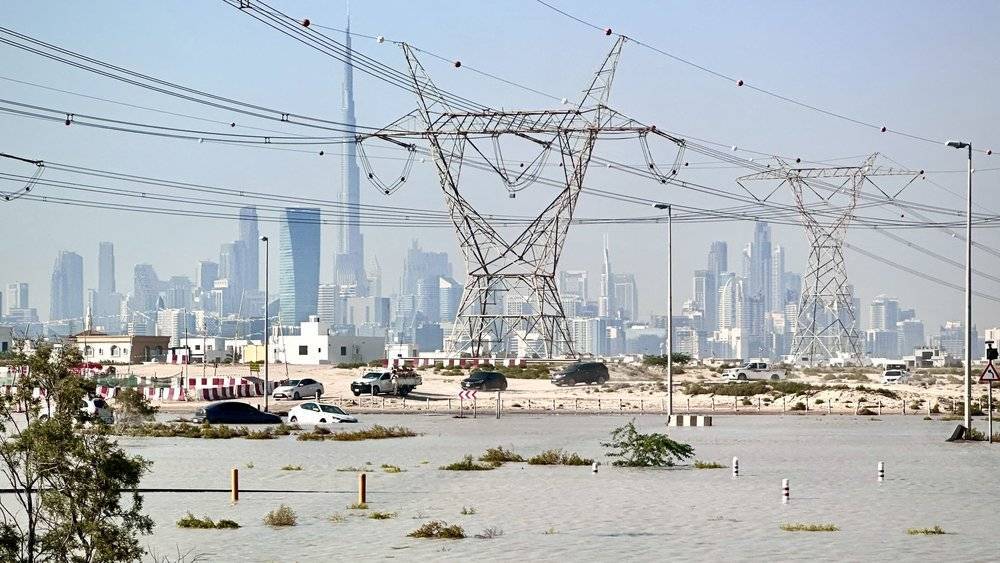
x=267 y=293
x=968 y=287
x=670 y=309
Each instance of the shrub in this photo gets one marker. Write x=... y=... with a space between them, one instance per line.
x=292 y=468
x=499 y=455
x=558 y=457
x=865 y=411
x=468 y=510
x=281 y=517
x=265 y=434
x=132 y=408
x=468 y=464
x=707 y=465
x=389 y=468
x=490 y=533
x=381 y=515
x=337 y=518
x=935 y=531
x=285 y=429
x=798 y=406
x=191 y=521
x=358 y=506
x=376 y=432
x=437 y=529
x=635 y=449
x=799 y=527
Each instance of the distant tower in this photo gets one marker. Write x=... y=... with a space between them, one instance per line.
x=298 y=264
x=606 y=305
x=760 y=265
x=349 y=260
x=249 y=253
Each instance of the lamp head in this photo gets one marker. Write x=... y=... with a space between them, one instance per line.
x=263 y=238
x=958 y=144
x=661 y=205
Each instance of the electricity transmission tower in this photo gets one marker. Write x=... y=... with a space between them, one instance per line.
x=520 y=269
x=826 y=198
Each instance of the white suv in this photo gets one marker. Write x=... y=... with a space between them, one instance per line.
x=891 y=376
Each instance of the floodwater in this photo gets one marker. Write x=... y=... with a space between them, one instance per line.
x=558 y=513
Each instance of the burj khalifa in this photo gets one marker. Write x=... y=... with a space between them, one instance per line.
x=349 y=260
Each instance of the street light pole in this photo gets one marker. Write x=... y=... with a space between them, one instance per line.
x=670 y=309
x=968 y=287
x=267 y=294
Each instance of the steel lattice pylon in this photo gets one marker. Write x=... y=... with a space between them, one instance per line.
x=826 y=198
x=521 y=270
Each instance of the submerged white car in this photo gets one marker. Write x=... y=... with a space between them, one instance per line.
x=298 y=389
x=91 y=408
x=312 y=412
x=890 y=376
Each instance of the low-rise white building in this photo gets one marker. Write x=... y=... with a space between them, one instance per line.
x=205 y=348
x=314 y=345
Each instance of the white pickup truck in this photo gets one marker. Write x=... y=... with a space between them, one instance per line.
x=753 y=370
x=383 y=380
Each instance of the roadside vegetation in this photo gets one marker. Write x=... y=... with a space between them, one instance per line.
x=631 y=448
x=935 y=531
x=532 y=371
x=500 y=455
x=698 y=464
x=437 y=529
x=205 y=523
x=469 y=464
x=376 y=432
x=281 y=517
x=802 y=527
x=559 y=457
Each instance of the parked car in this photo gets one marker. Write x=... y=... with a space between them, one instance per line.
x=298 y=389
x=581 y=372
x=234 y=412
x=485 y=381
x=91 y=408
x=396 y=381
x=753 y=370
x=891 y=376
x=318 y=413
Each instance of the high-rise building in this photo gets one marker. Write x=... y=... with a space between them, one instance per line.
x=17 y=296
x=883 y=313
x=327 y=299
x=706 y=297
x=951 y=339
x=911 y=336
x=145 y=289
x=882 y=343
x=626 y=296
x=106 y=268
x=791 y=283
x=208 y=272
x=419 y=265
x=298 y=264
x=590 y=335
x=761 y=265
x=249 y=255
x=429 y=298
x=349 y=259
x=606 y=305
x=67 y=288
x=573 y=283
x=450 y=295
x=718 y=260
x=777 y=278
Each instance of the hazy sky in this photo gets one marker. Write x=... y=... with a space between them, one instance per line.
x=925 y=67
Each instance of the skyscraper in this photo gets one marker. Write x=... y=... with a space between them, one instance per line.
x=718 y=259
x=420 y=264
x=760 y=278
x=249 y=254
x=298 y=264
x=573 y=283
x=777 y=278
x=17 y=296
x=349 y=259
x=606 y=303
x=626 y=296
x=67 y=288
x=106 y=268
x=208 y=272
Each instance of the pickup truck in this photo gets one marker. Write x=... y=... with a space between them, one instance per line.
x=386 y=381
x=753 y=370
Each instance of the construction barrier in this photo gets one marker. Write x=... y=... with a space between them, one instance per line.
x=456 y=362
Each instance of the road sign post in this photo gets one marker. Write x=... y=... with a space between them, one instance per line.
x=990 y=374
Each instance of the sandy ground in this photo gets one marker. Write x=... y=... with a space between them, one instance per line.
x=632 y=389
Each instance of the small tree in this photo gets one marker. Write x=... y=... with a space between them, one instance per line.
x=68 y=484
x=634 y=449
x=679 y=359
x=132 y=408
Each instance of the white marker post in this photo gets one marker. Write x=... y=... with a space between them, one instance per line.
x=784 y=491
x=736 y=467
x=881 y=471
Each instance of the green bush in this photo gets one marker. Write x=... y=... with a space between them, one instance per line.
x=935 y=531
x=438 y=530
x=800 y=527
x=469 y=464
x=798 y=406
x=281 y=517
x=500 y=455
x=558 y=457
x=634 y=449
x=707 y=465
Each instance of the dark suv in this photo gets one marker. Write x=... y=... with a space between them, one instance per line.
x=581 y=372
x=485 y=381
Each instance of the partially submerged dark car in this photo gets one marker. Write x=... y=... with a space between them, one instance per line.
x=234 y=412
